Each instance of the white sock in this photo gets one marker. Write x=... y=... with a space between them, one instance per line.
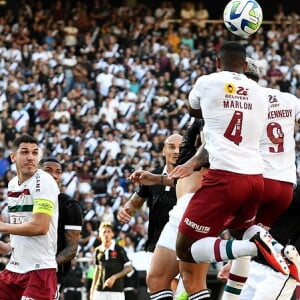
x=237 y=278
x=213 y=249
x=251 y=231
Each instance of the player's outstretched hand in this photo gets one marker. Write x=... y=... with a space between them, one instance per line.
x=124 y=215
x=180 y=171
x=144 y=177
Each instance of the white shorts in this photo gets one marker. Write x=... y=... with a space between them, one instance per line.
x=169 y=233
x=264 y=283
x=179 y=208
x=168 y=236
x=108 y=296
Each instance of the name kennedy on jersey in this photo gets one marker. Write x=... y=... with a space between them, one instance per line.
x=282 y=113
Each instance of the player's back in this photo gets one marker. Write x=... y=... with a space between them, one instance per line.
x=234 y=109
x=277 y=144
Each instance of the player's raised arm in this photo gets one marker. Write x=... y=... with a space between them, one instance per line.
x=148 y=178
x=200 y=159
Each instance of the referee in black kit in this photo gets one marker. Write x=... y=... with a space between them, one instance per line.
x=159 y=198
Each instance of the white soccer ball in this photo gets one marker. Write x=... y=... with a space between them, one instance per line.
x=243 y=17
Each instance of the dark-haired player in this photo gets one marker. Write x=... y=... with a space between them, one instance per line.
x=33 y=217
x=69 y=222
x=277 y=147
x=234 y=115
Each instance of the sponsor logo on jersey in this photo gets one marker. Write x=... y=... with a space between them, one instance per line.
x=236 y=97
x=272 y=99
x=239 y=92
x=17 y=219
x=230 y=88
x=196 y=227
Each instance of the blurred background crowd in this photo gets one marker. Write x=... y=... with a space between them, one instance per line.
x=101 y=84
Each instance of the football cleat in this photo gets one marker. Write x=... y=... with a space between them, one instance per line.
x=293 y=259
x=263 y=242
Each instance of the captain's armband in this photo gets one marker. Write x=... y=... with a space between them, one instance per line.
x=43 y=206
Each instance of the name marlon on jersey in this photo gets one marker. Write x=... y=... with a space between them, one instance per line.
x=235 y=104
x=196 y=227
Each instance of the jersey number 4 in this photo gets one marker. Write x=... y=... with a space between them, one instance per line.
x=234 y=129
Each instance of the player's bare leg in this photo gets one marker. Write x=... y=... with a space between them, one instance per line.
x=163 y=269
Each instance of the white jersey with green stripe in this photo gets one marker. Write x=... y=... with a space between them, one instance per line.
x=39 y=194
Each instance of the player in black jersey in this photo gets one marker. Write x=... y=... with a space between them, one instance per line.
x=111 y=265
x=165 y=265
x=160 y=199
x=69 y=222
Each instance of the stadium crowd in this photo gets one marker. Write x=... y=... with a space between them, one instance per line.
x=101 y=87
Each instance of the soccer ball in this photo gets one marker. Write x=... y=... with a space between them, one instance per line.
x=243 y=17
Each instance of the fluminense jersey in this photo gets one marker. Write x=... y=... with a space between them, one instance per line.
x=278 y=143
x=38 y=194
x=234 y=109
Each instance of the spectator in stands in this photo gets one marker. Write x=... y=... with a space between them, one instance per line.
x=89 y=237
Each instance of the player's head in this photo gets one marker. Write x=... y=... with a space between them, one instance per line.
x=52 y=166
x=25 y=155
x=171 y=148
x=252 y=70
x=232 y=57
x=106 y=231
